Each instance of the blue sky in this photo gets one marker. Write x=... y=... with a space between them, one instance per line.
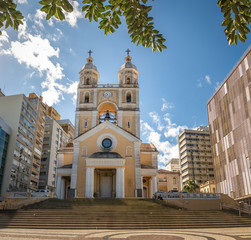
x=175 y=85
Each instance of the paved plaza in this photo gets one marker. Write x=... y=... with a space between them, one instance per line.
x=170 y=234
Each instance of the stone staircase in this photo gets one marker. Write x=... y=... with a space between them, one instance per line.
x=114 y=214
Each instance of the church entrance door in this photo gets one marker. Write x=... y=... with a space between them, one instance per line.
x=106 y=186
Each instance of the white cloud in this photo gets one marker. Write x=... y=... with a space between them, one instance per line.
x=167 y=150
x=72 y=89
x=208 y=80
x=38 y=54
x=165 y=105
x=172 y=129
x=73 y=17
x=70 y=18
x=4 y=38
x=156 y=119
x=164 y=137
x=22 y=1
x=39 y=17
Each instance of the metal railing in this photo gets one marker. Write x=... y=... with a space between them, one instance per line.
x=191 y=195
x=237 y=208
x=28 y=195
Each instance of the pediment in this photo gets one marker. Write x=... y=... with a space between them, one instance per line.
x=106 y=125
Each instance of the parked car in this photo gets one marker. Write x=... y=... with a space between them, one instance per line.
x=183 y=192
x=173 y=191
x=42 y=190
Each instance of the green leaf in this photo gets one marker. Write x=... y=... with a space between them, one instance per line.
x=60 y=14
x=67 y=6
x=45 y=8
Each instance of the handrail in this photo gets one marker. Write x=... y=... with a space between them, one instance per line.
x=238 y=208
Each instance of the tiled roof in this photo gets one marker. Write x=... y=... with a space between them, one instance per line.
x=148 y=147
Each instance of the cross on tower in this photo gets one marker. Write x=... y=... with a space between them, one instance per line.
x=128 y=50
x=90 y=53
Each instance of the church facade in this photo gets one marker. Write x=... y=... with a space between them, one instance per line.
x=107 y=159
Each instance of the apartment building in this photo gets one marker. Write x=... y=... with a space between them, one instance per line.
x=40 y=107
x=21 y=116
x=52 y=113
x=67 y=126
x=168 y=180
x=54 y=138
x=229 y=117
x=195 y=155
x=173 y=165
x=5 y=132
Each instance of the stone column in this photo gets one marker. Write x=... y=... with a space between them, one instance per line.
x=120 y=185
x=74 y=166
x=137 y=169
x=154 y=184
x=142 y=184
x=120 y=118
x=89 y=183
x=62 y=188
x=94 y=118
x=59 y=186
x=150 y=188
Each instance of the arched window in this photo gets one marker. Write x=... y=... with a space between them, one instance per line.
x=87 y=81
x=174 y=181
x=128 y=80
x=128 y=97
x=87 y=98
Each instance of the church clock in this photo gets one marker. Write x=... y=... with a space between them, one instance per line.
x=107 y=94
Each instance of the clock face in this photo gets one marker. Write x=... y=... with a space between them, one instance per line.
x=107 y=94
x=107 y=143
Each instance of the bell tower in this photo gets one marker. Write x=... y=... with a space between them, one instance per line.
x=117 y=103
x=86 y=114
x=129 y=114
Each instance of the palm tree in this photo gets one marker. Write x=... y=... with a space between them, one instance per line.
x=190 y=186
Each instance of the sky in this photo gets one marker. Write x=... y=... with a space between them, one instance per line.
x=45 y=57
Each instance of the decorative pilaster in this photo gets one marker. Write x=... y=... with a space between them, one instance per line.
x=137 y=124
x=94 y=118
x=59 y=186
x=76 y=133
x=120 y=185
x=137 y=169
x=120 y=98
x=89 y=182
x=154 y=184
x=150 y=188
x=95 y=97
x=74 y=173
x=120 y=118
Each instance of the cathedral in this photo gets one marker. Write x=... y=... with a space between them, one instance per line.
x=106 y=158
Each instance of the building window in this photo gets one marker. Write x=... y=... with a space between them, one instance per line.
x=85 y=124
x=128 y=80
x=128 y=97
x=87 y=81
x=174 y=181
x=128 y=124
x=87 y=98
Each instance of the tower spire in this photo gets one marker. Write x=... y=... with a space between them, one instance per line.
x=128 y=51
x=90 y=53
